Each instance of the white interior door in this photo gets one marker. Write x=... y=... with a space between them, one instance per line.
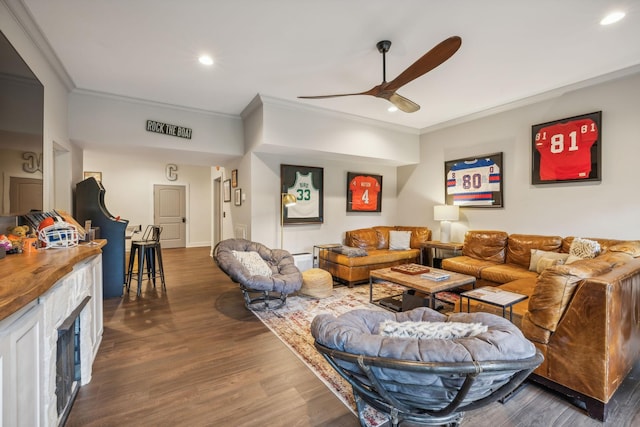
x=169 y=212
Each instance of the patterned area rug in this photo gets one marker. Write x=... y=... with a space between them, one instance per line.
x=292 y=325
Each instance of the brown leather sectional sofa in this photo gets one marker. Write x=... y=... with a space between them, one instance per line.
x=375 y=241
x=583 y=316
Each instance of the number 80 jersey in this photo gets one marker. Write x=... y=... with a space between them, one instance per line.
x=473 y=182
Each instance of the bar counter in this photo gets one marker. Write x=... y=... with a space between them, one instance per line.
x=24 y=277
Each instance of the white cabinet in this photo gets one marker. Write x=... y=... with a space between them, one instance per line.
x=28 y=345
x=21 y=351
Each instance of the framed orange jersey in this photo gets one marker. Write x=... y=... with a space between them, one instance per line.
x=364 y=192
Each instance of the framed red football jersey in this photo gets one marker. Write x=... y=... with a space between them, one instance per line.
x=364 y=192
x=567 y=150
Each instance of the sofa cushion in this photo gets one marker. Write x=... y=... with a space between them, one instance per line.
x=365 y=238
x=604 y=243
x=555 y=287
x=399 y=240
x=382 y=232
x=503 y=273
x=549 y=259
x=631 y=247
x=519 y=247
x=375 y=256
x=486 y=245
x=466 y=265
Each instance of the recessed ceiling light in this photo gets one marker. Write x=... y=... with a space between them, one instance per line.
x=205 y=60
x=392 y=109
x=612 y=18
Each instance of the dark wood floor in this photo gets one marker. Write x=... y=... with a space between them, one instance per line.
x=194 y=356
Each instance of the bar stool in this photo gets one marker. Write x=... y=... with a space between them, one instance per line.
x=148 y=249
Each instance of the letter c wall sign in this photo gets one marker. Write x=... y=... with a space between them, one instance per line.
x=171 y=171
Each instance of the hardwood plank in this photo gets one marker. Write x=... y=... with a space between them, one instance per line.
x=194 y=356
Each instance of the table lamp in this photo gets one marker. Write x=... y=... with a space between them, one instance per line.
x=445 y=214
x=286 y=201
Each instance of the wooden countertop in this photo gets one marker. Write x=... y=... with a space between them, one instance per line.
x=24 y=277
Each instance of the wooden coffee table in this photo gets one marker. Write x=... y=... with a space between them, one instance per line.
x=416 y=282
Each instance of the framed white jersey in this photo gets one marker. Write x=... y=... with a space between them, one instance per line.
x=306 y=185
x=474 y=181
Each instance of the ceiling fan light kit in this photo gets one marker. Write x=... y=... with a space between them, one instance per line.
x=387 y=90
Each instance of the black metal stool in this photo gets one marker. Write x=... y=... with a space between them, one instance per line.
x=148 y=249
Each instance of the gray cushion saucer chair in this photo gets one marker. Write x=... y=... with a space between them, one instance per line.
x=266 y=276
x=424 y=381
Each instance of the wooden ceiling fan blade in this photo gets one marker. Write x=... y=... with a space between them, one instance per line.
x=336 y=95
x=403 y=103
x=430 y=60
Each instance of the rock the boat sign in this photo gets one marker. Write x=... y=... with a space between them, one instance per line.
x=167 y=129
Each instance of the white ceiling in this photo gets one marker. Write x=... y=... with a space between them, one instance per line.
x=148 y=49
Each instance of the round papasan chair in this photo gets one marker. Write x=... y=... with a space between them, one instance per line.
x=426 y=381
x=266 y=276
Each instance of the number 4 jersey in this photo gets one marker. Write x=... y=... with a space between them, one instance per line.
x=473 y=182
x=565 y=150
x=364 y=193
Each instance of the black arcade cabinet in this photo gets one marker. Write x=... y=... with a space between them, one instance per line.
x=90 y=206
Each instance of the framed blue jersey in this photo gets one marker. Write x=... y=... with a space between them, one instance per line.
x=474 y=181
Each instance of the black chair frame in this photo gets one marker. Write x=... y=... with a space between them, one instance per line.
x=148 y=250
x=373 y=392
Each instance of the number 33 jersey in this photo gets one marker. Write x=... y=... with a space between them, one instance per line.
x=565 y=150
x=307 y=197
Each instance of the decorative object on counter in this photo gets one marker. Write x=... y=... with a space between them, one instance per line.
x=445 y=214
x=54 y=232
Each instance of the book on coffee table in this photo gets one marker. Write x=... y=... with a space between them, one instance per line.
x=435 y=275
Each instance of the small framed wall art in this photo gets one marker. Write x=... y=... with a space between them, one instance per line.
x=567 y=150
x=234 y=178
x=306 y=184
x=474 y=181
x=364 y=192
x=96 y=175
x=237 y=196
x=226 y=189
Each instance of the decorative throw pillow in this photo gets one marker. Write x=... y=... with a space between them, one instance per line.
x=399 y=240
x=431 y=330
x=253 y=262
x=537 y=255
x=584 y=248
x=545 y=263
x=350 y=251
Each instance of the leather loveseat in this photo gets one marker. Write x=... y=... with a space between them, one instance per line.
x=369 y=249
x=583 y=316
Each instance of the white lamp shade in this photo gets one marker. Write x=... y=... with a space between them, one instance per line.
x=446 y=213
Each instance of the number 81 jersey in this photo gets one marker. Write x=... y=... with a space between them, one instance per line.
x=565 y=149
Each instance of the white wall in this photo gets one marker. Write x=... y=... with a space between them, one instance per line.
x=129 y=181
x=605 y=209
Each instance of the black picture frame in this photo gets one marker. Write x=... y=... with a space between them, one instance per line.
x=567 y=150
x=226 y=190
x=306 y=183
x=237 y=197
x=475 y=182
x=364 y=192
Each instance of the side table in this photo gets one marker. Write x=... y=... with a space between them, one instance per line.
x=318 y=248
x=493 y=296
x=431 y=245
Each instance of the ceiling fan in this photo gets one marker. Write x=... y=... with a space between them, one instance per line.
x=387 y=90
